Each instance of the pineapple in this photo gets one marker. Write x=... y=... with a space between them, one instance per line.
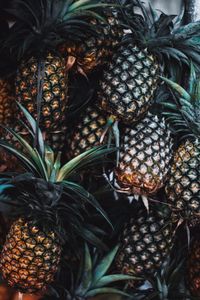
x=145 y=242
x=167 y=282
x=30 y=256
x=7 y=103
x=87 y=132
x=41 y=27
x=57 y=139
x=193 y=268
x=128 y=84
x=183 y=185
x=7 y=117
x=54 y=90
x=49 y=210
x=95 y=51
x=144 y=156
x=93 y=280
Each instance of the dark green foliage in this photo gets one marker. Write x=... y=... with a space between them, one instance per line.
x=92 y=278
x=162 y=35
x=43 y=25
x=46 y=194
x=183 y=108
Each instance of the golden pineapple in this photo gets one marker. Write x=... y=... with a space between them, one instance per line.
x=42 y=204
x=87 y=132
x=7 y=103
x=8 y=111
x=183 y=185
x=53 y=78
x=42 y=76
x=96 y=50
x=30 y=256
x=54 y=96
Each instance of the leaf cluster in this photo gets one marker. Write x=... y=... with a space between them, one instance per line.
x=46 y=194
x=42 y=25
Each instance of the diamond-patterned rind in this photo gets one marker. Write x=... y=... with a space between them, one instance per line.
x=129 y=83
x=183 y=187
x=54 y=90
x=30 y=257
x=145 y=243
x=145 y=154
x=87 y=132
x=95 y=51
x=57 y=139
x=7 y=103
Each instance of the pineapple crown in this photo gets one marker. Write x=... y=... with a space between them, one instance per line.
x=47 y=194
x=163 y=36
x=42 y=25
x=92 y=278
x=168 y=281
x=183 y=111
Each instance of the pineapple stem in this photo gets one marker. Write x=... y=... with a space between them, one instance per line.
x=116 y=135
x=40 y=81
x=109 y=123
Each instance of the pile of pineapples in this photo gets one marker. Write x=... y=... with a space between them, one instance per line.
x=99 y=149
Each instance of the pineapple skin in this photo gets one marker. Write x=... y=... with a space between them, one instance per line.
x=193 y=268
x=57 y=139
x=87 y=132
x=30 y=257
x=54 y=90
x=127 y=87
x=96 y=50
x=183 y=187
x=8 y=111
x=10 y=162
x=145 y=242
x=145 y=154
x=7 y=103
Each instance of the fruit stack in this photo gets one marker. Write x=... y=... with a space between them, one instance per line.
x=100 y=151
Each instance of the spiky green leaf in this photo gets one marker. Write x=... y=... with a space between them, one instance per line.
x=109 y=279
x=106 y=290
x=175 y=86
x=33 y=125
x=105 y=264
x=87 y=273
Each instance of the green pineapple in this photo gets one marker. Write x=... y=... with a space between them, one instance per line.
x=153 y=46
x=183 y=186
x=145 y=242
x=48 y=209
x=144 y=156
